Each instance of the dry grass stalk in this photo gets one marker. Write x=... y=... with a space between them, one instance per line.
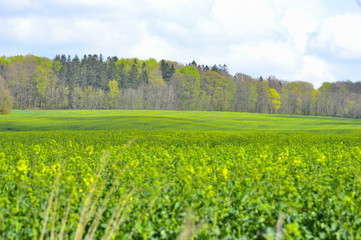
x=280 y=221
x=87 y=213
x=190 y=228
x=48 y=209
x=64 y=220
x=117 y=218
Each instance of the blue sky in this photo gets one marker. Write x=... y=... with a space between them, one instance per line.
x=308 y=40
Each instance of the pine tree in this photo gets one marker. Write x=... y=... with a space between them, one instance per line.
x=167 y=71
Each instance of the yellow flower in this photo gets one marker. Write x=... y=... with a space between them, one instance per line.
x=225 y=172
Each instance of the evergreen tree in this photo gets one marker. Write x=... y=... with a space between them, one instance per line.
x=167 y=71
x=123 y=78
x=111 y=69
x=215 y=68
x=75 y=72
x=144 y=75
x=133 y=76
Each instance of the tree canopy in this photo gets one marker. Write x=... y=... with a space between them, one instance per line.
x=92 y=82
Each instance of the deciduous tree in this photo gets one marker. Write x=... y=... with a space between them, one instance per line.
x=5 y=98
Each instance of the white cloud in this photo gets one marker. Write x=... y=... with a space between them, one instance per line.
x=245 y=19
x=43 y=31
x=301 y=19
x=316 y=70
x=174 y=30
x=264 y=55
x=339 y=36
x=178 y=10
x=257 y=37
x=17 y=29
x=80 y=35
x=152 y=46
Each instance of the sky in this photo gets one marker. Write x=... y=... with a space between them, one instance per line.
x=294 y=40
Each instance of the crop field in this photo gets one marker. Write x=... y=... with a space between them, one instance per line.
x=178 y=175
x=21 y=120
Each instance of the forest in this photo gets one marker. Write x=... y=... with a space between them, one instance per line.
x=92 y=82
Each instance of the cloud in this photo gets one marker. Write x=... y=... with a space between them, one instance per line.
x=264 y=56
x=44 y=31
x=18 y=5
x=301 y=19
x=244 y=18
x=260 y=37
x=153 y=46
x=316 y=70
x=76 y=35
x=338 y=37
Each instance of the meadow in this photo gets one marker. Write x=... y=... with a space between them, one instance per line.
x=27 y=120
x=178 y=175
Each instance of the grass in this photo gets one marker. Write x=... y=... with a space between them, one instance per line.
x=31 y=120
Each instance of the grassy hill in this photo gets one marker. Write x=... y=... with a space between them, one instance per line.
x=25 y=120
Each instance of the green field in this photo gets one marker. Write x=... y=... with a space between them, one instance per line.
x=178 y=175
x=21 y=120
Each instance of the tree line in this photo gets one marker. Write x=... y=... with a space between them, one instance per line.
x=92 y=82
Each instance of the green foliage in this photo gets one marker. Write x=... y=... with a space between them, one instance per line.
x=250 y=96
x=217 y=91
x=127 y=63
x=275 y=99
x=113 y=93
x=5 y=60
x=25 y=120
x=133 y=77
x=5 y=102
x=42 y=79
x=326 y=86
x=41 y=83
x=166 y=184
x=153 y=70
x=190 y=71
x=167 y=70
x=56 y=67
x=190 y=87
x=5 y=98
x=298 y=98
